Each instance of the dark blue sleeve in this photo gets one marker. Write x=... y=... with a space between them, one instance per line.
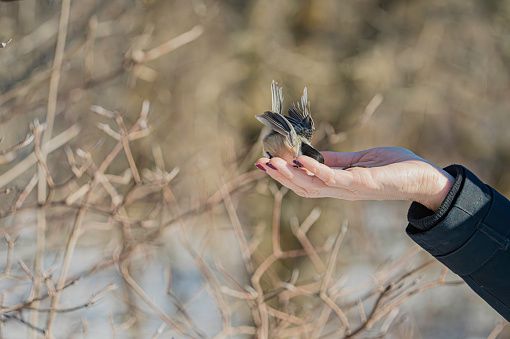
x=470 y=234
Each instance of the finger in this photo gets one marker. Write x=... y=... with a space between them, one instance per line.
x=261 y=164
x=276 y=168
x=291 y=172
x=329 y=176
x=336 y=159
x=268 y=165
x=286 y=175
x=297 y=179
x=301 y=177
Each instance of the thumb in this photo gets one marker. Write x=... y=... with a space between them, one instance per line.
x=336 y=159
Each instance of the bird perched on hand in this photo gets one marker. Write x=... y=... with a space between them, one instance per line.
x=291 y=135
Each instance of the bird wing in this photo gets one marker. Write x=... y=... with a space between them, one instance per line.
x=277 y=98
x=301 y=114
x=279 y=124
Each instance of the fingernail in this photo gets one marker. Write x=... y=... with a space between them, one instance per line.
x=298 y=163
x=268 y=164
x=260 y=167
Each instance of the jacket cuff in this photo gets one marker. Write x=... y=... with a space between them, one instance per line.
x=455 y=223
x=421 y=218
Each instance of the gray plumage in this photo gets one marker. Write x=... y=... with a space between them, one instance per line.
x=290 y=136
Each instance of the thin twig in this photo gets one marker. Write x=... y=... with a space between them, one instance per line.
x=127 y=149
x=169 y=46
x=307 y=245
x=50 y=120
x=55 y=143
x=500 y=326
x=121 y=267
x=27 y=141
x=76 y=231
x=236 y=224
x=277 y=208
x=26 y=323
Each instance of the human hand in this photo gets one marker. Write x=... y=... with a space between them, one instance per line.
x=389 y=174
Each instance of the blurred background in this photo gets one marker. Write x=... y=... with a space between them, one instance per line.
x=130 y=205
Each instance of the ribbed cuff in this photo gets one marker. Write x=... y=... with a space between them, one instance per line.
x=421 y=218
x=456 y=220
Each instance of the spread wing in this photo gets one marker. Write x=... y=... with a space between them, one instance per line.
x=300 y=113
x=298 y=122
x=277 y=98
x=279 y=124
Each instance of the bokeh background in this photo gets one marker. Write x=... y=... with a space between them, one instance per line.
x=429 y=76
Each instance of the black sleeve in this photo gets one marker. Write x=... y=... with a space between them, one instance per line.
x=470 y=234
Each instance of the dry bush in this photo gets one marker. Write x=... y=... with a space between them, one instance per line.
x=130 y=207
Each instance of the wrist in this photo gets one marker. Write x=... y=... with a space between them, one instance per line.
x=436 y=185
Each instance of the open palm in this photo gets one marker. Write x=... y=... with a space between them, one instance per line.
x=383 y=173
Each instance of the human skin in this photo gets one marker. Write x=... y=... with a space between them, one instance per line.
x=383 y=173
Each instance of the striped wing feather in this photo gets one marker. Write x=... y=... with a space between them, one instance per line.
x=279 y=124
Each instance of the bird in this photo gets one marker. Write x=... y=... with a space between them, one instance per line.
x=291 y=135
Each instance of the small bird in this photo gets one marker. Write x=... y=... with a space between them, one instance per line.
x=291 y=135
